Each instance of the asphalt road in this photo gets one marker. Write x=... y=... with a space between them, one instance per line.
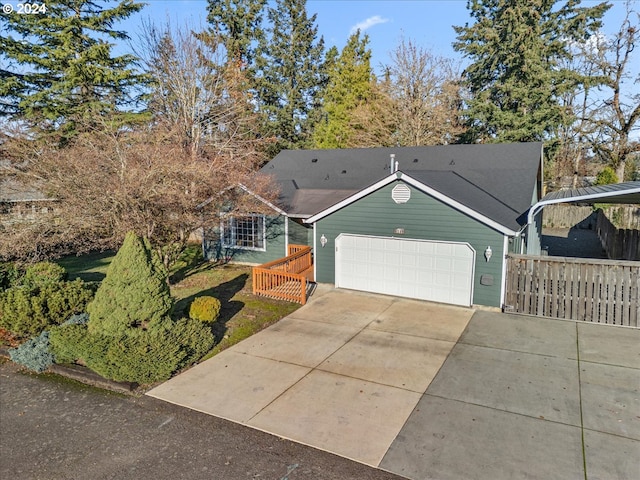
x=53 y=428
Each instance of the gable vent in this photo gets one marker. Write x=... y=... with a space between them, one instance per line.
x=401 y=193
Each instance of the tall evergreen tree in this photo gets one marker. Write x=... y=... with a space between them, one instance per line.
x=57 y=67
x=134 y=294
x=290 y=73
x=515 y=77
x=349 y=85
x=239 y=23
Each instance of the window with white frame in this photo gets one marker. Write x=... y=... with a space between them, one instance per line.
x=246 y=232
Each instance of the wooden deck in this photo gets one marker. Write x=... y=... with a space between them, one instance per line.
x=287 y=278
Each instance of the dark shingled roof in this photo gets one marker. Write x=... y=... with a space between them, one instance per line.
x=496 y=180
x=14 y=191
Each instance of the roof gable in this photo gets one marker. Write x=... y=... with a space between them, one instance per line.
x=400 y=176
x=497 y=179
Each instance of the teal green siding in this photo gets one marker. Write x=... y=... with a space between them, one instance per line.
x=533 y=242
x=274 y=245
x=422 y=217
x=300 y=234
x=515 y=244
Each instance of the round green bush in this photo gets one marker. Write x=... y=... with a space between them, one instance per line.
x=606 y=176
x=206 y=309
x=43 y=274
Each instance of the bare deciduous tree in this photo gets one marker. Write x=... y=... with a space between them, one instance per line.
x=198 y=92
x=426 y=92
x=111 y=181
x=616 y=111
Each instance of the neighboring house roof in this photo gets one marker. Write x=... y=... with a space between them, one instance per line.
x=13 y=191
x=496 y=180
x=623 y=193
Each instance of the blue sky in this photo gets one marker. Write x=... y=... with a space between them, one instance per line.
x=426 y=22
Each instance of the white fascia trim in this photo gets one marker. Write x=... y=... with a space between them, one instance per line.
x=535 y=209
x=420 y=186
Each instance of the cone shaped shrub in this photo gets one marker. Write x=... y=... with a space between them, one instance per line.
x=134 y=293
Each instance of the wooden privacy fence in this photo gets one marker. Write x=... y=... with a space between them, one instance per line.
x=619 y=243
x=285 y=278
x=602 y=291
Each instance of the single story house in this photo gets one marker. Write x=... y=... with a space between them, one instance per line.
x=432 y=223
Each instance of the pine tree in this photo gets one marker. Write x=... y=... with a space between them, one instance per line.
x=60 y=71
x=349 y=85
x=515 y=78
x=290 y=73
x=238 y=24
x=134 y=293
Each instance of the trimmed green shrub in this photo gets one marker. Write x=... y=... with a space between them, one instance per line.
x=140 y=356
x=43 y=274
x=206 y=309
x=67 y=342
x=10 y=275
x=194 y=338
x=26 y=312
x=129 y=335
x=134 y=293
x=64 y=339
x=35 y=354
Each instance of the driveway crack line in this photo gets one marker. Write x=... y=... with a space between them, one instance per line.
x=584 y=451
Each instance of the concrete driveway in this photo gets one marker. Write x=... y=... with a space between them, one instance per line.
x=396 y=384
x=343 y=373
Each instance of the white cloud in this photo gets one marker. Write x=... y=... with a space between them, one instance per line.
x=368 y=23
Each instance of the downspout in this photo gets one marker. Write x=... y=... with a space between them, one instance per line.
x=503 y=286
x=315 y=254
x=286 y=235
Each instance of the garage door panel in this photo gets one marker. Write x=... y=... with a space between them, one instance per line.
x=427 y=270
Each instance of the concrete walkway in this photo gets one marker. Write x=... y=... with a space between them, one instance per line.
x=391 y=383
x=343 y=373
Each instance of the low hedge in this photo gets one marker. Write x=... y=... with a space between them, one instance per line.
x=140 y=356
x=26 y=312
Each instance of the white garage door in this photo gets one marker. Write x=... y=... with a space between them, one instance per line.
x=423 y=269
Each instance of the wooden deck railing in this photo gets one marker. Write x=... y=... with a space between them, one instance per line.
x=284 y=278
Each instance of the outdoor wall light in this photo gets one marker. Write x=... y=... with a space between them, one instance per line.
x=488 y=253
x=323 y=240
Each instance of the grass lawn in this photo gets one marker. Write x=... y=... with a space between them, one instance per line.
x=242 y=313
x=90 y=268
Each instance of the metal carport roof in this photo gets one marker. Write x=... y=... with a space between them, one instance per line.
x=624 y=193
